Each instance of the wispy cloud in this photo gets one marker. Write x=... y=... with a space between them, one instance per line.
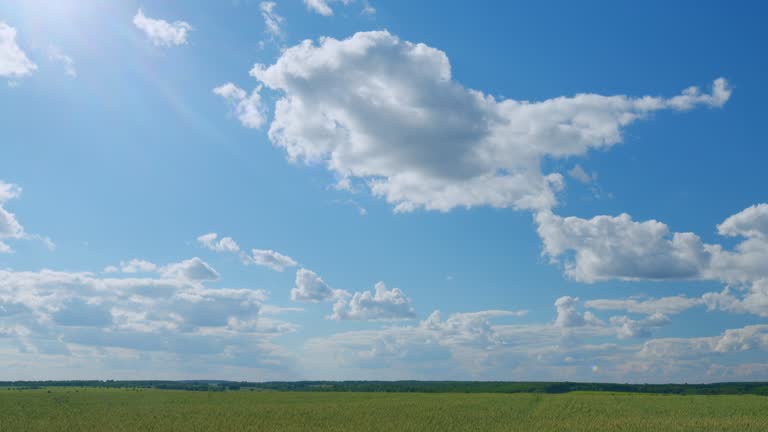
x=248 y=108
x=55 y=54
x=272 y=21
x=161 y=32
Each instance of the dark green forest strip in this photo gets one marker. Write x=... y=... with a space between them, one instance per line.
x=728 y=388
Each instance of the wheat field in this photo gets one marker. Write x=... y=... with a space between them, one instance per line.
x=93 y=409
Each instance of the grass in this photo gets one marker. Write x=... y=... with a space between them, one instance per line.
x=89 y=409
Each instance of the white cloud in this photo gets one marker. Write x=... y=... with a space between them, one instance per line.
x=435 y=347
x=272 y=259
x=45 y=240
x=578 y=173
x=468 y=328
x=462 y=345
x=134 y=265
x=225 y=244
x=742 y=372
x=568 y=315
x=754 y=337
x=752 y=299
x=362 y=211
x=219 y=307
x=145 y=316
x=272 y=20
x=8 y=191
x=628 y=328
x=137 y=266
x=387 y=112
x=746 y=262
x=665 y=305
x=751 y=222
x=263 y=257
x=380 y=305
x=160 y=32
x=9 y=225
x=193 y=269
x=323 y=7
x=319 y=6
x=249 y=109
x=55 y=54
x=608 y=247
x=59 y=312
x=368 y=9
x=693 y=96
x=78 y=312
x=312 y=288
x=10 y=228
x=14 y=63
x=473 y=345
x=695 y=359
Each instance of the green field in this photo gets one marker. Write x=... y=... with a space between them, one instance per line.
x=92 y=409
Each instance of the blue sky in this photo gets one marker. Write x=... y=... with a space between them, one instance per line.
x=293 y=190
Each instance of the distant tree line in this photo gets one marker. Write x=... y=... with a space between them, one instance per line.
x=731 y=388
x=161 y=385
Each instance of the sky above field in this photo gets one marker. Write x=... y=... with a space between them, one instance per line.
x=351 y=189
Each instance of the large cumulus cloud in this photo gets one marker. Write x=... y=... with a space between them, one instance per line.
x=387 y=112
x=618 y=247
